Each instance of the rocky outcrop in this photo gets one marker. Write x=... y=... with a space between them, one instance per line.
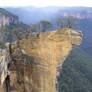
x=36 y=59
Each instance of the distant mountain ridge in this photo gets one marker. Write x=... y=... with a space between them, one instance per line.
x=77 y=12
x=34 y=14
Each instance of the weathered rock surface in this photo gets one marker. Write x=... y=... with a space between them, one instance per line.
x=35 y=60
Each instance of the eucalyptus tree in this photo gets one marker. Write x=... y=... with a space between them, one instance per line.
x=67 y=22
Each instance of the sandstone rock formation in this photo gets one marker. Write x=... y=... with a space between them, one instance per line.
x=35 y=60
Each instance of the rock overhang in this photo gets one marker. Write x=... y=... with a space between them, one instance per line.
x=41 y=56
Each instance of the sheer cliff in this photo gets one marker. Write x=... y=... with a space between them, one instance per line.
x=7 y=18
x=36 y=60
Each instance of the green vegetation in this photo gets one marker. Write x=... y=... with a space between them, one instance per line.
x=76 y=75
x=86 y=28
x=7 y=33
x=41 y=26
x=4 y=30
x=45 y=25
x=3 y=34
x=6 y=13
x=2 y=45
x=60 y=23
x=67 y=22
x=19 y=25
x=18 y=32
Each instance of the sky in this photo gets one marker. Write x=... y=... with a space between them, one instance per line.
x=45 y=3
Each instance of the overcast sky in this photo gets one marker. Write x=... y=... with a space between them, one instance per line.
x=44 y=3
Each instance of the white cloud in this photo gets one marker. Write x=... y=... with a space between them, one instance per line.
x=42 y=3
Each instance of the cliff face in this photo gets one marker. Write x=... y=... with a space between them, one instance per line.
x=35 y=60
x=6 y=18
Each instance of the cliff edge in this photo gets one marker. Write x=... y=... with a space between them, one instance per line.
x=36 y=60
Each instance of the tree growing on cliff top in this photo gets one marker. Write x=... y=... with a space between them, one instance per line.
x=45 y=25
x=71 y=22
x=67 y=22
x=42 y=26
x=60 y=23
